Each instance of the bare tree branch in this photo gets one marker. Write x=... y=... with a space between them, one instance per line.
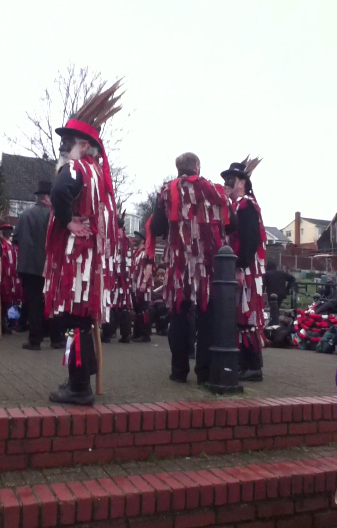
x=70 y=89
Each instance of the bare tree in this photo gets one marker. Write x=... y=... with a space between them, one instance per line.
x=145 y=207
x=70 y=89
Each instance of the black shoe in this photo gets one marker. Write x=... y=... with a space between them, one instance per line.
x=176 y=379
x=251 y=375
x=30 y=346
x=124 y=340
x=105 y=339
x=142 y=339
x=59 y=345
x=66 y=395
x=6 y=330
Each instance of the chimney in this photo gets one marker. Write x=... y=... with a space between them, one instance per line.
x=297 y=228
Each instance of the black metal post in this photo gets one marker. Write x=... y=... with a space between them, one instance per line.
x=224 y=352
x=274 y=310
x=294 y=296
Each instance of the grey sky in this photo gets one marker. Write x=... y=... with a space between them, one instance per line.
x=222 y=78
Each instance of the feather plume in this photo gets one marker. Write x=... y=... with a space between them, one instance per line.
x=251 y=164
x=99 y=107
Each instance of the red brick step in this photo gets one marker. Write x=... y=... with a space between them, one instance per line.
x=296 y=494
x=64 y=436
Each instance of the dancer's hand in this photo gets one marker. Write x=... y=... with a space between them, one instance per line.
x=78 y=228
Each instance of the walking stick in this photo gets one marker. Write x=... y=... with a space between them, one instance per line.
x=98 y=351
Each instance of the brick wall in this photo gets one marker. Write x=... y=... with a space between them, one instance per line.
x=64 y=436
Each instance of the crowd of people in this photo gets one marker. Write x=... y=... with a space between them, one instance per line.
x=71 y=263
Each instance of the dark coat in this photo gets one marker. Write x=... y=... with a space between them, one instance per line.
x=30 y=236
x=279 y=282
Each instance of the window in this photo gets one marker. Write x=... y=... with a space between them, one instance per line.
x=288 y=234
x=16 y=207
x=132 y=223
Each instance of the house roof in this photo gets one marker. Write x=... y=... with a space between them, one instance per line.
x=323 y=223
x=22 y=174
x=277 y=234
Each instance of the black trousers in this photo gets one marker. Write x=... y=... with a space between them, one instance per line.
x=183 y=327
x=161 y=317
x=33 y=291
x=142 y=324
x=4 y=315
x=249 y=359
x=119 y=318
x=79 y=377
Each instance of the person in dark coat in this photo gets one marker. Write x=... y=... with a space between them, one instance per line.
x=30 y=236
x=277 y=281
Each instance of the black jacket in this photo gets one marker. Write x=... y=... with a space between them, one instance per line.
x=30 y=236
x=279 y=282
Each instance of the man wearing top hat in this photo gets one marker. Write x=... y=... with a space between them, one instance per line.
x=82 y=239
x=10 y=287
x=30 y=237
x=248 y=242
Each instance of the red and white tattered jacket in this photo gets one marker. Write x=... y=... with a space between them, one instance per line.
x=122 y=293
x=197 y=212
x=139 y=263
x=250 y=296
x=80 y=271
x=11 y=290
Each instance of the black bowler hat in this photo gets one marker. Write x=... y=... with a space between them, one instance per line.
x=141 y=233
x=43 y=188
x=236 y=169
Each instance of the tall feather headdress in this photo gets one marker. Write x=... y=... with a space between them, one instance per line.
x=250 y=164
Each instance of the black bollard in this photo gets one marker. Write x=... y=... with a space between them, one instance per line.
x=274 y=310
x=294 y=296
x=223 y=376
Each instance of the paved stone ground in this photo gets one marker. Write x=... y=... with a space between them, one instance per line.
x=152 y=466
x=139 y=373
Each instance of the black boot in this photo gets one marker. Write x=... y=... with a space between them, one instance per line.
x=78 y=390
x=251 y=375
x=66 y=394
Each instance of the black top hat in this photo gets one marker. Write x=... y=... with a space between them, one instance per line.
x=43 y=188
x=236 y=169
x=6 y=226
x=141 y=233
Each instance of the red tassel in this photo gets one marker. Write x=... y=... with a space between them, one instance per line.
x=77 y=347
x=245 y=340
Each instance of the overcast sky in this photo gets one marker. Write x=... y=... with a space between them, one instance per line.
x=222 y=78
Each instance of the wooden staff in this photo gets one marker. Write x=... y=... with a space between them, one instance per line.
x=98 y=351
